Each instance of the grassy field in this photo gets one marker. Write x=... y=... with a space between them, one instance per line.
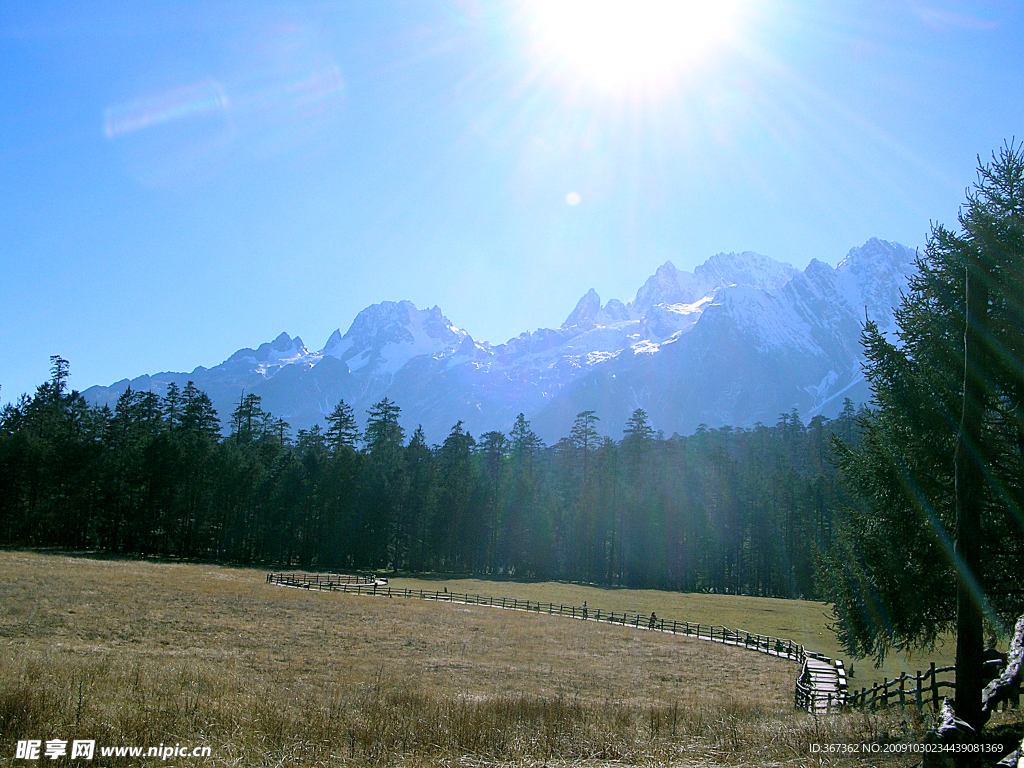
x=141 y=654
x=802 y=621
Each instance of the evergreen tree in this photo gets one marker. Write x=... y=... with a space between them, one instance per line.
x=935 y=428
x=343 y=432
x=459 y=535
x=415 y=552
x=383 y=487
x=521 y=514
x=492 y=448
x=584 y=436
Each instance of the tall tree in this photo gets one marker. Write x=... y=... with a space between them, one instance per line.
x=493 y=447
x=342 y=432
x=940 y=469
x=584 y=436
x=459 y=532
x=383 y=486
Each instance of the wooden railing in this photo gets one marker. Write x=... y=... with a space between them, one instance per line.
x=816 y=700
x=917 y=690
x=326 y=580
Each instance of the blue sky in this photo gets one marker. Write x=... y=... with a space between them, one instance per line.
x=178 y=180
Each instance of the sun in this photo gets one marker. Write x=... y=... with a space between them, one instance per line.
x=617 y=43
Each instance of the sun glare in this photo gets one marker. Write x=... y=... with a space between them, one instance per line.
x=623 y=42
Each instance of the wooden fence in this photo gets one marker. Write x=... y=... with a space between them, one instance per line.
x=917 y=690
x=773 y=646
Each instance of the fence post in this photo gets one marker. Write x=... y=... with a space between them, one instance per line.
x=935 y=689
x=903 y=687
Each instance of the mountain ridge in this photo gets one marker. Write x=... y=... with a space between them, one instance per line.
x=740 y=339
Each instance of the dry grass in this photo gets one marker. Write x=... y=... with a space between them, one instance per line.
x=136 y=653
x=802 y=621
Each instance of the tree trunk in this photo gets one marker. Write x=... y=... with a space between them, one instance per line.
x=970 y=480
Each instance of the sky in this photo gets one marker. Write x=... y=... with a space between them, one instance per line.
x=180 y=180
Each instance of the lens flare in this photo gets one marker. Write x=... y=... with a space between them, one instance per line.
x=199 y=99
x=279 y=95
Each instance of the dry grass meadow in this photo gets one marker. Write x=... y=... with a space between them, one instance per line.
x=141 y=653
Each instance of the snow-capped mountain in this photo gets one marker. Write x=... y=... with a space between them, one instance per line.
x=752 y=353
x=739 y=340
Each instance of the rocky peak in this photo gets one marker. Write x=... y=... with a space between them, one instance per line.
x=613 y=312
x=586 y=310
x=663 y=287
x=747 y=268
